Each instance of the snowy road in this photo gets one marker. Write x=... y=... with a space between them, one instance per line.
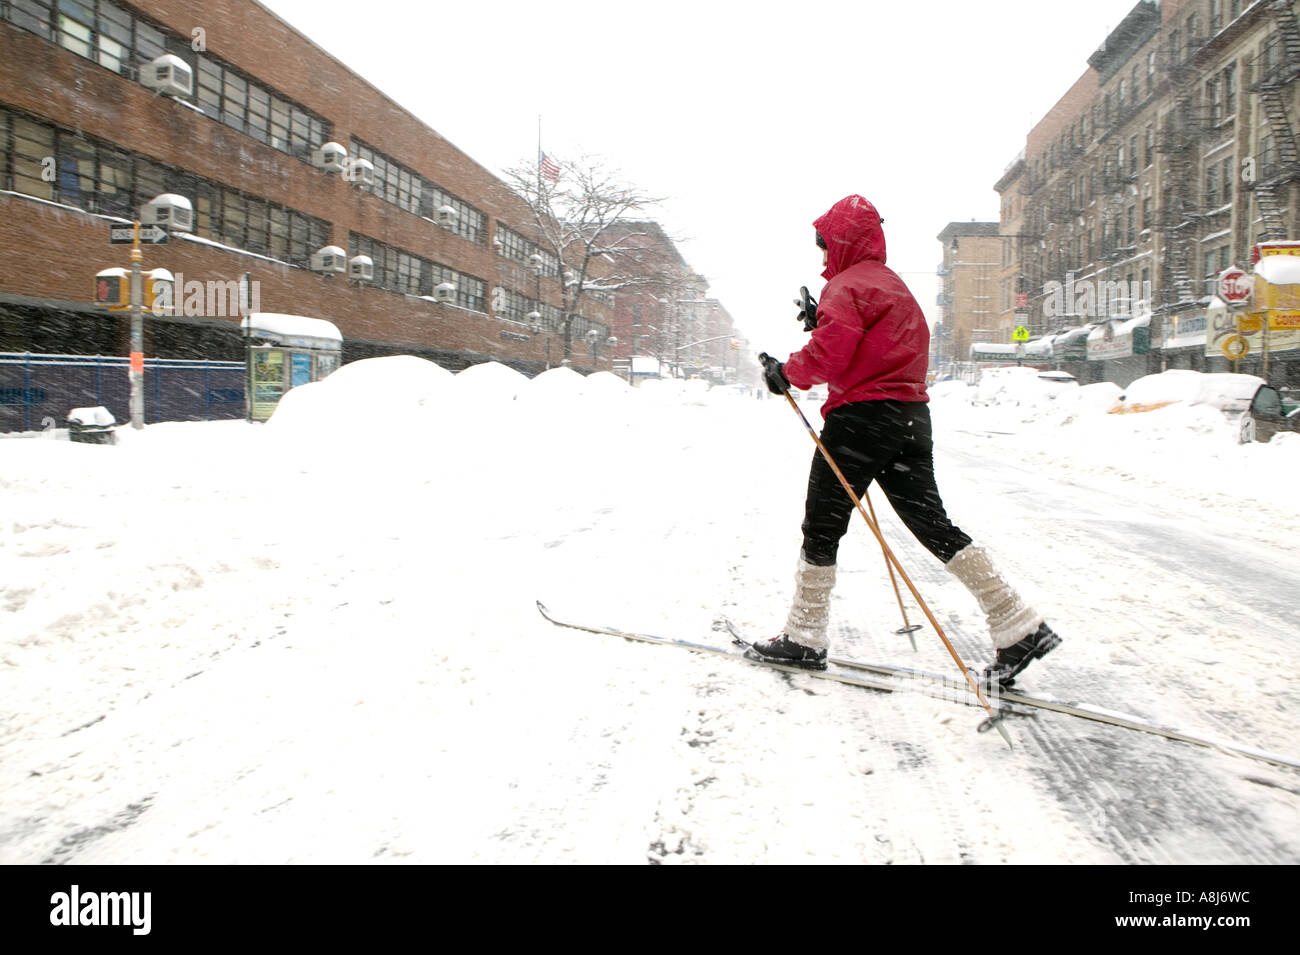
x=220 y=645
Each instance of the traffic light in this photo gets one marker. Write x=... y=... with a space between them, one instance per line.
x=113 y=289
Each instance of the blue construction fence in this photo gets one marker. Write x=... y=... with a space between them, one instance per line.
x=38 y=389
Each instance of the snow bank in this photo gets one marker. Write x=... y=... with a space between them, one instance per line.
x=1018 y=386
x=373 y=396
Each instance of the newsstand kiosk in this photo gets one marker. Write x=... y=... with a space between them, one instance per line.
x=285 y=351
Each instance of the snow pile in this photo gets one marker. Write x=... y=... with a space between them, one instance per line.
x=378 y=397
x=1019 y=387
x=490 y=383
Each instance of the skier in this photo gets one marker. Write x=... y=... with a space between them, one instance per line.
x=870 y=345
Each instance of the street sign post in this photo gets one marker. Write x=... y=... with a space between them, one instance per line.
x=125 y=234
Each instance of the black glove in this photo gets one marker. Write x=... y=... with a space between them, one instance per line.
x=807 y=309
x=774 y=374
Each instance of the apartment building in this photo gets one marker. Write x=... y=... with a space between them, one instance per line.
x=1166 y=162
x=970 y=287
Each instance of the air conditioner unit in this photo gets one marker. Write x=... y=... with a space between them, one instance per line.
x=361 y=268
x=360 y=172
x=168 y=74
x=331 y=157
x=331 y=260
x=447 y=215
x=172 y=212
x=445 y=292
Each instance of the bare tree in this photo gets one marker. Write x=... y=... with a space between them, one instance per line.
x=587 y=216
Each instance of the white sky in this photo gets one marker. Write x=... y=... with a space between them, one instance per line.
x=752 y=118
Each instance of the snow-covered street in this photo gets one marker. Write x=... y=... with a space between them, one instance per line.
x=317 y=641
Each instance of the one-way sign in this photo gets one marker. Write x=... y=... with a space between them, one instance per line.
x=125 y=234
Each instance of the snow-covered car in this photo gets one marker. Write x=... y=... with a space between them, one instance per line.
x=1250 y=402
x=1021 y=385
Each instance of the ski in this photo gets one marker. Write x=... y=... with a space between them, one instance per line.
x=1080 y=710
x=851 y=676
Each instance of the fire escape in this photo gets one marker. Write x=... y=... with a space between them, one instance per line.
x=1275 y=69
x=1183 y=129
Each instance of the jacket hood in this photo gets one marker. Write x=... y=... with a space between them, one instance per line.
x=853 y=234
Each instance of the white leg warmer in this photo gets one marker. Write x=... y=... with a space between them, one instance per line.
x=810 y=612
x=1010 y=618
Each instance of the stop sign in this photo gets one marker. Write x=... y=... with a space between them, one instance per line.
x=1234 y=285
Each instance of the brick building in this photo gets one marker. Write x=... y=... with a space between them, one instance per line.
x=664 y=311
x=969 y=281
x=83 y=144
x=1170 y=157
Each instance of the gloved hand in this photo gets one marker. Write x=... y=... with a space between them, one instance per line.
x=807 y=309
x=774 y=374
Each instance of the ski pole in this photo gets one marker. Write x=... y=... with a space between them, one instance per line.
x=908 y=627
x=994 y=719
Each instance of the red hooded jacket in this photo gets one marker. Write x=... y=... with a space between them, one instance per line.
x=871 y=342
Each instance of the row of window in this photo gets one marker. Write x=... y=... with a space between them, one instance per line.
x=515 y=307
x=115 y=37
x=47 y=162
x=55 y=164
x=400 y=271
x=409 y=190
x=521 y=249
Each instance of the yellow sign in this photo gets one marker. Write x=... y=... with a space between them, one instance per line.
x=1021 y=334
x=1278 y=321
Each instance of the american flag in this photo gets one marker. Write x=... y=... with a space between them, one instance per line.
x=549 y=168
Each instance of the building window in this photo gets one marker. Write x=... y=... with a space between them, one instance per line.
x=117 y=39
x=520 y=249
x=469 y=290
x=1150 y=147
x=1214 y=100
x=28 y=148
x=1151 y=71
x=1216 y=16
x=468 y=222
x=104 y=179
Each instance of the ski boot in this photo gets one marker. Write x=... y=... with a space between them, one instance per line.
x=786 y=652
x=1011 y=660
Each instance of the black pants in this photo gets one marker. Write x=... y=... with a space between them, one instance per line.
x=888 y=442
